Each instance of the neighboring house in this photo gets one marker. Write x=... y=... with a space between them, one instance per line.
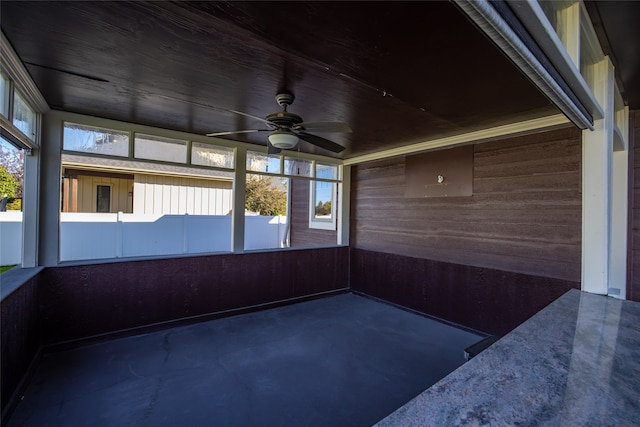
x=98 y=184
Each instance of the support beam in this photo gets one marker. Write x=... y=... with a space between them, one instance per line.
x=344 y=205
x=239 y=192
x=597 y=184
x=619 y=207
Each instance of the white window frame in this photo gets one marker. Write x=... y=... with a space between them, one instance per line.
x=322 y=223
x=20 y=80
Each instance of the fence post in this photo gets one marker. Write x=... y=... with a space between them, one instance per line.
x=119 y=242
x=185 y=230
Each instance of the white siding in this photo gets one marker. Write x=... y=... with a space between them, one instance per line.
x=157 y=195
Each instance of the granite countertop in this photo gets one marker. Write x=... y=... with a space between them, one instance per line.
x=575 y=363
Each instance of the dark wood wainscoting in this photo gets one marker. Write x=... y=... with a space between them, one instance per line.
x=20 y=339
x=83 y=301
x=487 y=300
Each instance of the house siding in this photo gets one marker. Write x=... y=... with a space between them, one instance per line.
x=301 y=234
x=121 y=193
x=168 y=195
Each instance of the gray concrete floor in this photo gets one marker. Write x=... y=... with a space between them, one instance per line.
x=338 y=361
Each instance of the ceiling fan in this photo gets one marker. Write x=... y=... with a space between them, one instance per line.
x=287 y=128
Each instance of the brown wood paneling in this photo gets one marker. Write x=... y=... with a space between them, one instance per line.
x=20 y=339
x=524 y=215
x=488 y=300
x=301 y=234
x=81 y=301
x=633 y=260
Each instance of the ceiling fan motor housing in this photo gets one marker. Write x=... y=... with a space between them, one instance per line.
x=284 y=119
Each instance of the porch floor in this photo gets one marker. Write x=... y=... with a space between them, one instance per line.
x=343 y=360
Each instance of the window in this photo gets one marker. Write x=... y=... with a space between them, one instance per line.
x=24 y=118
x=103 y=198
x=5 y=90
x=266 y=201
x=151 y=194
x=89 y=139
x=158 y=148
x=261 y=162
x=11 y=189
x=298 y=167
x=209 y=155
x=322 y=198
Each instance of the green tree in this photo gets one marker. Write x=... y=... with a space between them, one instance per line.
x=264 y=197
x=8 y=184
x=323 y=209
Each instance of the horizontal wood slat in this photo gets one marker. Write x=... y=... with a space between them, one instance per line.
x=490 y=300
x=301 y=234
x=524 y=216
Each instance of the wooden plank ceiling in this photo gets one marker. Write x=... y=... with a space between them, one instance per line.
x=396 y=72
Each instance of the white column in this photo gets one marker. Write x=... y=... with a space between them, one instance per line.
x=344 y=205
x=619 y=207
x=597 y=153
x=49 y=197
x=239 y=192
x=30 y=209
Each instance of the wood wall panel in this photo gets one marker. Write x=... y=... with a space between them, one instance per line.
x=524 y=215
x=488 y=300
x=633 y=269
x=81 y=301
x=301 y=234
x=20 y=339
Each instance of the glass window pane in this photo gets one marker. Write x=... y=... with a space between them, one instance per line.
x=262 y=162
x=94 y=140
x=103 y=199
x=11 y=186
x=266 y=212
x=158 y=148
x=326 y=171
x=4 y=95
x=210 y=155
x=24 y=118
x=323 y=200
x=297 y=167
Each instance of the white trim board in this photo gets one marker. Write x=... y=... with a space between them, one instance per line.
x=494 y=133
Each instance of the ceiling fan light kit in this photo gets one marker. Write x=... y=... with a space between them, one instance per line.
x=283 y=139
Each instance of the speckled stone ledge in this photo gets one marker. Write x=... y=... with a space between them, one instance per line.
x=575 y=363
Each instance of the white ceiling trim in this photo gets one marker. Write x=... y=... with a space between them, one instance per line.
x=500 y=132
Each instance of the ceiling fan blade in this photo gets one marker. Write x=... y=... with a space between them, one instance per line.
x=320 y=142
x=239 y=131
x=323 y=127
x=263 y=120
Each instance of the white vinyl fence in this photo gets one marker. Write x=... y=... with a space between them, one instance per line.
x=86 y=236
x=10 y=237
